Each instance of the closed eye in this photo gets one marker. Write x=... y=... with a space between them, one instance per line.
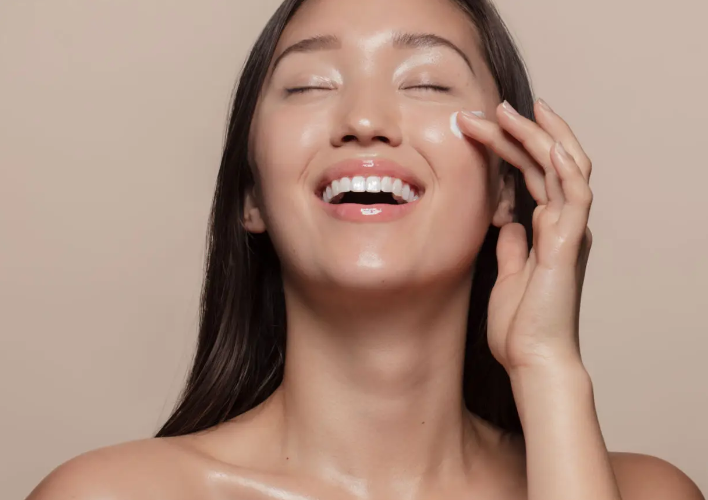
x=302 y=90
x=434 y=88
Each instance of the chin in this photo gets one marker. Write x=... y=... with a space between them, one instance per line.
x=372 y=273
x=376 y=263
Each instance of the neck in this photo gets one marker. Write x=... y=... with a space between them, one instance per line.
x=372 y=390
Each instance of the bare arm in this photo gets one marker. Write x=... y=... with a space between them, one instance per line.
x=533 y=327
x=566 y=454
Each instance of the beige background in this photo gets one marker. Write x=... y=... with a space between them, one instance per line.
x=112 y=116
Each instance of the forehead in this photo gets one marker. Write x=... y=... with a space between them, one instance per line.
x=369 y=23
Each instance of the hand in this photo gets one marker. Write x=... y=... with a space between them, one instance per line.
x=535 y=304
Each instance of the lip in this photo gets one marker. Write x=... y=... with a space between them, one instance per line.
x=350 y=212
x=368 y=167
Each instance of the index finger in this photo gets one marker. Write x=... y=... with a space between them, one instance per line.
x=508 y=148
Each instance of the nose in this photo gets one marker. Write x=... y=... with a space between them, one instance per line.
x=367 y=117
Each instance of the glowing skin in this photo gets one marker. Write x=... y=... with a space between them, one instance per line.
x=371 y=406
x=365 y=91
x=383 y=281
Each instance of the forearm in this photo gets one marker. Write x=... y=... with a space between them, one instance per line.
x=566 y=454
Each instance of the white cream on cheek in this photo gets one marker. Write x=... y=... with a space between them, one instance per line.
x=456 y=128
x=436 y=132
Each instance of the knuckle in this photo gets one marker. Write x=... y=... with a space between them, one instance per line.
x=586 y=196
x=587 y=164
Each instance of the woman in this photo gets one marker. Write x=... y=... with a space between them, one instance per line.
x=373 y=323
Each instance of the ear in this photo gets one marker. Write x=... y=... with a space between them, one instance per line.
x=252 y=218
x=504 y=213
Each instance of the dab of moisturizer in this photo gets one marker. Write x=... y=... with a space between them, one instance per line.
x=453 y=123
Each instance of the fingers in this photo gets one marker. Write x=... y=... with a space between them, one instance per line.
x=512 y=250
x=523 y=142
x=549 y=155
x=576 y=211
x=506 y=147
x=538 y=143
x=538 y=137
x=561 y=132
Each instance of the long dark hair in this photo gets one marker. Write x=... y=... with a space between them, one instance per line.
x=241 y=347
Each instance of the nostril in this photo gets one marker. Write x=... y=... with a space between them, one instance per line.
x=353 y=138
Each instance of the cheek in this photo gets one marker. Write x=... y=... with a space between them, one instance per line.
x=284 y=143
x=463 y=170
x=285 y=140
x=460 y=164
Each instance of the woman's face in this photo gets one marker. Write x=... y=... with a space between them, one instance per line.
x=367 y=111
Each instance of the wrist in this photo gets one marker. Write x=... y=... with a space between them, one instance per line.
x=566 y=370
x=549 y=365
x=551 y=386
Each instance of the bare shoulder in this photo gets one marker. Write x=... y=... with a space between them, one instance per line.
x=145 y=469
x=644 y=477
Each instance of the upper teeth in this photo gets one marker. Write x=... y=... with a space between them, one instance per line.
x=401 y=191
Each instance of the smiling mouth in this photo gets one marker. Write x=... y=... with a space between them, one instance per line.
x=369 y=191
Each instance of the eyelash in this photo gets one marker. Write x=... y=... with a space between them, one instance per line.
x=435 y=88
x=302 y=90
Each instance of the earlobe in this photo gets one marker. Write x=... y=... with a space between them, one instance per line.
x=252 y=218
x=504 y=213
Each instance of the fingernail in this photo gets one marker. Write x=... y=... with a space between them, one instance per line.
x=544 y=104
x=473 y=114
x=509 y=108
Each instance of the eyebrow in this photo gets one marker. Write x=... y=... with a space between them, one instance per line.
x=400 y=41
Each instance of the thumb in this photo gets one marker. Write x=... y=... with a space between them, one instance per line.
x=512 y=250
